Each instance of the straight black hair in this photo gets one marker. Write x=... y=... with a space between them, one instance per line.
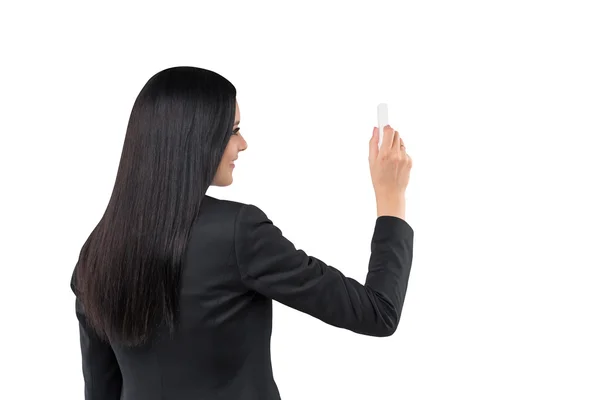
x=128 y=273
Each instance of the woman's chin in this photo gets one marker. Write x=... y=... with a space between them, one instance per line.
x=222 y=182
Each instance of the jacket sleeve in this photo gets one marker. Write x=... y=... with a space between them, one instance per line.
x=101 y=373
x=271 y=265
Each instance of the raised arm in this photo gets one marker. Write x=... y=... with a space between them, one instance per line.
x=271 y=265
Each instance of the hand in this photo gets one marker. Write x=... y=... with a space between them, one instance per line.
x=390 y=171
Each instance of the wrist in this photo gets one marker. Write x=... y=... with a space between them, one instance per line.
x=392 y=205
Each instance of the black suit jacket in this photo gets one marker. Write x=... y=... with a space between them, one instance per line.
x=237 y=262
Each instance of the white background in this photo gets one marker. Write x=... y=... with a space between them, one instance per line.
x=497 y=101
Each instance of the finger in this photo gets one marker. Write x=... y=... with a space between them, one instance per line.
x=388 y=137
x=402 y=146
x=374 y=144
x=395 y=143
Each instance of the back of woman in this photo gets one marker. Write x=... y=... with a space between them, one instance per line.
x=174 y=288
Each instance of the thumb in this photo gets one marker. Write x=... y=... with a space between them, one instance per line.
x=374 y=145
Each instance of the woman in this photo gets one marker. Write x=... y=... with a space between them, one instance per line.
x=174 y=288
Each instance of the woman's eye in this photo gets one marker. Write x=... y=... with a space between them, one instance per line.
x=236 y=130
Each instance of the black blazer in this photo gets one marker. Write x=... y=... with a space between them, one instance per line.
x=237 y=262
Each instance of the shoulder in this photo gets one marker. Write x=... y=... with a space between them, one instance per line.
x=225 y=222
x=246 y=221
x=239 y=211
x=230 y=219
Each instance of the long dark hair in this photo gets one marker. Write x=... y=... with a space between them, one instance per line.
x=128 y=274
